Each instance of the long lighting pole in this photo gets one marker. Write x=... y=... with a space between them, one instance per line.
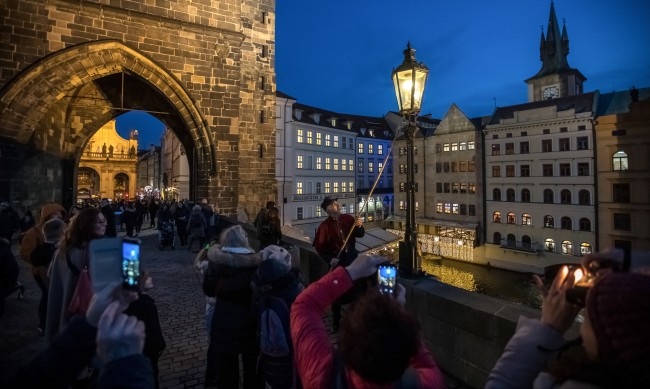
x=409 y=80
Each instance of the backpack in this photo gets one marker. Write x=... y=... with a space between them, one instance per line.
x=275 y=338
x=276 y=352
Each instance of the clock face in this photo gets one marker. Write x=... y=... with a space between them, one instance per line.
x=550 y=92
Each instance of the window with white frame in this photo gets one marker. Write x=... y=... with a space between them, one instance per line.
x=319 y=163
x=299 y=186
x=328 y=188
x=360 y=166
x=445 y=147
x=454 y=146
x=319 y=138
x=300 y=135
x=462 y=146
x=402 y=204
x=299 y=213
x=336 y=141
x=380 y=149
x=310 y=137
x=344 y=187
x=380 y=165
x=344 y=141
x=299 y=162
x=318 y=187
x=328 y=140
x=336 y=187
x=344 y=165
x=351 y=186
x=360 y=148
x=470 y=145
x=371 y=167
x=351 y=165
x=336 y=164
x=371 y=149
x=328 y=163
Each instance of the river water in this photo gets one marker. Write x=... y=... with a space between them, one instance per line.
x=506 y=285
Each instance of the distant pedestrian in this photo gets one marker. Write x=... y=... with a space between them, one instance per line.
x=261 y=217
x=153 y=209
x=9 y=221
x=109 y=215
x=140 y=211
x=270 y=233
x=181 y=216
x=130 y=218
x=26 y=222
x=41 y=258
x=196 y=228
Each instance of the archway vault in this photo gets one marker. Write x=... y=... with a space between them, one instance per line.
x=77 y=90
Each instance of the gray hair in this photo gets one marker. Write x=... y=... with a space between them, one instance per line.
x=234 y=236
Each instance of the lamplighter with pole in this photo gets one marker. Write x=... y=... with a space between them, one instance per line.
x=409 y=80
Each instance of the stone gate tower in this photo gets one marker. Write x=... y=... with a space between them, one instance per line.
x=205 y=68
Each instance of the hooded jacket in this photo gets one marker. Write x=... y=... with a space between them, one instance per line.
x=228 y=278
x=34 y=236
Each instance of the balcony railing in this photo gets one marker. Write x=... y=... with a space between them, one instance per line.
x=122 y=156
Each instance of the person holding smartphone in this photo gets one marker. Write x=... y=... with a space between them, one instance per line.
x=380 y=342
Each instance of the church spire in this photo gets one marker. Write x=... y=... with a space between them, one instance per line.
x=554 y=49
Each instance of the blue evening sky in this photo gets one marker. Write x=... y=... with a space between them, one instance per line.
x=339 y=54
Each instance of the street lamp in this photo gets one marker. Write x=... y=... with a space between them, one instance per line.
x=409 y=80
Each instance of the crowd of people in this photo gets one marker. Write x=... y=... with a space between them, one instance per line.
x=260 y=317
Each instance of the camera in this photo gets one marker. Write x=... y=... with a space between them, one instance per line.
x=586 y=276
x=387 y=279
x=130 y=263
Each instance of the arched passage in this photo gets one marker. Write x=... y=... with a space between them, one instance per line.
x=52 y=108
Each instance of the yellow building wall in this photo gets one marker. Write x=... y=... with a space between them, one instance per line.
x=108 y=166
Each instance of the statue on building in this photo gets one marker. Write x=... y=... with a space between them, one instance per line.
x=104 y=150
x=110 y=151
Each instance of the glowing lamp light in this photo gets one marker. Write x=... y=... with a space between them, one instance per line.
x=409 y=79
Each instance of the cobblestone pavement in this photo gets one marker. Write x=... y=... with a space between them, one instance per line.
x=181 y=304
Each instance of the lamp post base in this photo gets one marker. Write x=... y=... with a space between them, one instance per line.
x=408 y=264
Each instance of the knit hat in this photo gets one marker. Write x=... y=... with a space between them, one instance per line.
x=618 y=306
x=327 y=201
x=276 y=263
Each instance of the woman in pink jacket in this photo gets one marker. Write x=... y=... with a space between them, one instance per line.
x=380 y=344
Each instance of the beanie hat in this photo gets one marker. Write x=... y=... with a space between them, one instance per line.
x=276 y=263
x=618 y=306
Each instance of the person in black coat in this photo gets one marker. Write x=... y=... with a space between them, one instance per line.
x=130 y=218
x=182 y=216
x=8 y=273
x=153 y=209
x=270 y=233
x=144 y=308
x=40 y=259
x=108 y=213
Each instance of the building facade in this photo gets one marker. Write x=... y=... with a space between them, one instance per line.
x=623 y=170
x=149 y=172
x=174 y=167
x=108 y=166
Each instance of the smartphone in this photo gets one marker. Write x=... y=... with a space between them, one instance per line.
x=387 y=279
x=130 y=263
x=105 y=261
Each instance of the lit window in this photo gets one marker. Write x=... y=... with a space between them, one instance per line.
x=328 y=163
x=511 y=218
x=319 y=163
x=454 y=146
x=299 y=160
x=319 y=138
x=328 y=140
x=360 y=148
x=371 y=149
x=567 y=247
x=402 y=204
x=462 y=146
x=336 y=164
x=336 y=187
x=350 y=164
x=298 y=187
x=360 y=166
x=351 y=185
x=336 y=141
x=380 y=149
x=380 y=166
x=496 y=217
x=371 y=167
x=585 y=248
x=300 y=138
x=328 y=188
x=310 y=137
x=439 y=207
x=454 y=209
x=620 y=161
x=470 y=145
x=447 y=207
x=445 y=147
x=548 y=221
x=526 y=220
x=549 y=245
x=344 y=187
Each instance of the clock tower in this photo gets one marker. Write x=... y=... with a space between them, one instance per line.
x=556 y=78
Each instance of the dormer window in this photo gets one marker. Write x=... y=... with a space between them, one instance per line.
x=333 y=120
x=315 y=117
x=371 y=132
x=363 y=131
x=348 y=124
x=298 y=114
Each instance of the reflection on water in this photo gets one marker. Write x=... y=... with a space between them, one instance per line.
x=507 y=285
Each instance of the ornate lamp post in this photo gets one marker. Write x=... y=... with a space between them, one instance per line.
x=409 y=80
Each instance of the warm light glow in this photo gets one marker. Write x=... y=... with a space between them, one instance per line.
x=578 y=275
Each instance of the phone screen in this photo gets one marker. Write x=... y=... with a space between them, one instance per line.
x=130 y=263
x=387 y=279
